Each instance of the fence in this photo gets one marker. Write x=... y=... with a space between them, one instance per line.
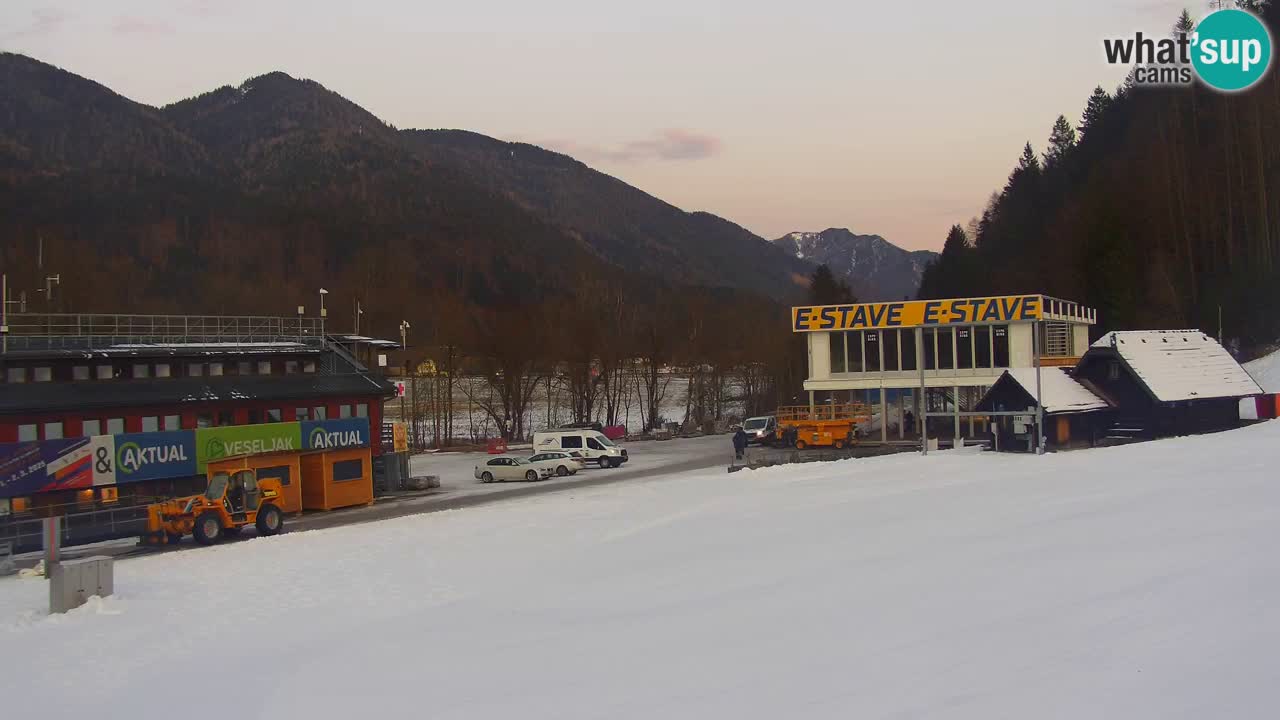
x=35 y=331
x=22 y=530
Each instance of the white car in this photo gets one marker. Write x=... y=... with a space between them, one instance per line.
x=560 y=462
x=508 y=467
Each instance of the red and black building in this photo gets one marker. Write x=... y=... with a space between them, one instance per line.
x=73 y=376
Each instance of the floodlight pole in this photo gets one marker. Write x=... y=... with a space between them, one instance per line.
x=1035 y=352
x=924 y=401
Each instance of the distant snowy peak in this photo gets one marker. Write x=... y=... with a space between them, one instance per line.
x=874 y=267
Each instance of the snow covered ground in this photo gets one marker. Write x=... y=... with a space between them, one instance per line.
x=1129 y=582
x=1266 y=370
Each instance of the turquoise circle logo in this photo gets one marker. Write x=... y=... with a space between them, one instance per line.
x=1231 y=50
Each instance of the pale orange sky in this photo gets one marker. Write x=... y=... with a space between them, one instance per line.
x=897 y=119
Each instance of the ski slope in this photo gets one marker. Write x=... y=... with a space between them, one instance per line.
x=1129 y=582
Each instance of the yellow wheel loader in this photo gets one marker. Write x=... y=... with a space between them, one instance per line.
x=233 y=500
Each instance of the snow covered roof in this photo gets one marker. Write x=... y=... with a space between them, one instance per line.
x=1180 y=364
x=1059 y=392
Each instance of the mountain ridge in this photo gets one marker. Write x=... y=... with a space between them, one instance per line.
x=875 y=268
x=151 y=206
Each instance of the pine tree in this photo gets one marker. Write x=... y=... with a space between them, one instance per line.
x=1094 y=110
x=825 y=289
x=1061 y=140
x=957 y=242
x=1184 y=24
x=1028 y=162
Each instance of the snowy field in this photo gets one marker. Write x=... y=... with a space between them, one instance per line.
x=1129 y=582
x=1266 y=370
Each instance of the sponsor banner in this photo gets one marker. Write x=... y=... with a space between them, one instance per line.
x=217 y=443
x=152 y=456
x=30 y=467
x=333 y=434
x=869 y=316
x=102 y=454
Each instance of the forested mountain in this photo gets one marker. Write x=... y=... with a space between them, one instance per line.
x=620 y=223
x=1161 y=207
x=873 y=267
x=248 y=199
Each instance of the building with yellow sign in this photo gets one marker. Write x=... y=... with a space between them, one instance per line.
x=945 y=352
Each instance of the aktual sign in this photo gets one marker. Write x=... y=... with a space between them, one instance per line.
x=333 y=434
x=870 y=316
x=78 y=463
x=217 y=443
x=154 y=455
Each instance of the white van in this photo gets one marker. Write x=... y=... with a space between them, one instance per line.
x=594 y=446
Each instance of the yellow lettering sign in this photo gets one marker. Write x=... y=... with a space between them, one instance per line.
x=867 y=316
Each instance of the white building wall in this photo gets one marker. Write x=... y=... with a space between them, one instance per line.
x=1079 y=340
x=819 y=356
x=1020 y=353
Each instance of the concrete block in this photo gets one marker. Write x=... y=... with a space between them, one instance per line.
x=73 y=582
x=422 y=482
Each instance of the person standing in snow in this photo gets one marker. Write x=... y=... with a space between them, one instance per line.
x=739 y=443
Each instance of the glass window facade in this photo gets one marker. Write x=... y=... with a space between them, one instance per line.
x=964 y=347
x=1000 y=343
x=872 y=347
x=837 y=353
x=889 y=340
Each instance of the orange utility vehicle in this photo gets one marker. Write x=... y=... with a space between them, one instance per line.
x=825 y=425
x=259 y=489
x=233 y=500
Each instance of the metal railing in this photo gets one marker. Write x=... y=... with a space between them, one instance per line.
x=85 y=525
x=36 y=331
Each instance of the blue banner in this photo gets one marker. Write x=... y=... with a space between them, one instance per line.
x=78 y=463
x=333 y=434
x=31 y=467
x=154 y=455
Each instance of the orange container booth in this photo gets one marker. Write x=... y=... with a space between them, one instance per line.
x=334 y=479
x=284 y=466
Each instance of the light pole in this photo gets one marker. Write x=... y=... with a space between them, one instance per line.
x=323 y=313
x=404 y=346
x=49 y=282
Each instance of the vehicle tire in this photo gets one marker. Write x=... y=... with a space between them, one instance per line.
x=208 y=528
x=531 y=476
x=839 y=443
x=173 y=538
x=270 y=521
x=486 y=477
x=800 y=444
x=562 y=471
x=604 y=463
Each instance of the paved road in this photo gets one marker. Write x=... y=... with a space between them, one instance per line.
x=460 y=489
